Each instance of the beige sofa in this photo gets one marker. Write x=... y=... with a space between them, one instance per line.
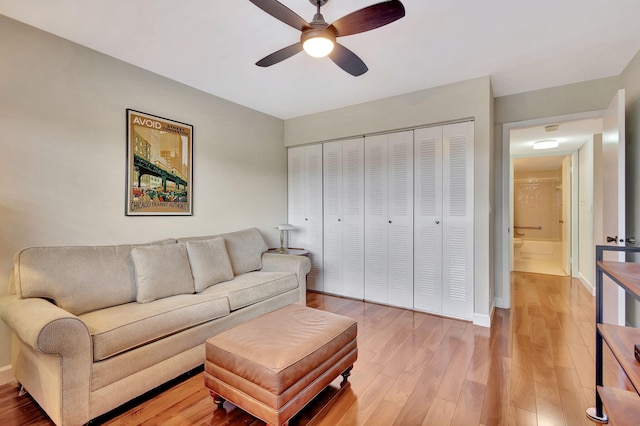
x=94 y=327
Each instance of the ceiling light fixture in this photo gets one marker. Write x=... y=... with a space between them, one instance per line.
x=318 y=42
x=545 y=144
x=320 y=39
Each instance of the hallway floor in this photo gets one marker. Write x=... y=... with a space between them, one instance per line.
x=540 y=266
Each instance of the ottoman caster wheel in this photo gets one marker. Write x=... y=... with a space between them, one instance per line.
x=217 y=399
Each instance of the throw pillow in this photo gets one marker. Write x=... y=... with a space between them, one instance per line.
x=161 y=271
x=209 y=261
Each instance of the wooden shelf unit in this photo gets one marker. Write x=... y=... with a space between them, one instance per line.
x=622 y=406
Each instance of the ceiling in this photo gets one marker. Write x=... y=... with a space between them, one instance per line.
x=213 y=45
x=571 y=135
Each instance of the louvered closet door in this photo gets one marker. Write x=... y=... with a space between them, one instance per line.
x=305 y=206
x=428 y=220
x=376 y=218
x=333 y=225
x=400 y=219
x=458 y=206
x=313 y=215
x=296 y=197
x=353 y=218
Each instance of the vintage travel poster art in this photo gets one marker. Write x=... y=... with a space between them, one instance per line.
x=159 y=166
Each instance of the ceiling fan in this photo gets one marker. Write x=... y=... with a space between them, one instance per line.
x=318 y=38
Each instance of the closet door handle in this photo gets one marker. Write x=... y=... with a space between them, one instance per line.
x=437 y=222
x=389 y=221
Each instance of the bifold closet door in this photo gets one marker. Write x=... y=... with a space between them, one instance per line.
x=344 y=218
x=332 y=257
x=428 y=220
x=353 y=218
x=305 y=207
x=458 y=205
x=389 y=219
x=375 y=219
x=443 y=263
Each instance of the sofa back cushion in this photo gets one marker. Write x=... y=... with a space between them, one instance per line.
x=244 y=247
x=78 y=279
x=161 y=271
x=209 y=261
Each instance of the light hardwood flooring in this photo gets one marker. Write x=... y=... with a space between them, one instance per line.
x=535 y=366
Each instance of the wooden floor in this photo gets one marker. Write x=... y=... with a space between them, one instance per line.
x=535 y=366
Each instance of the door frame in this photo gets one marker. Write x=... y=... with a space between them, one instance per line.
x=505 y=283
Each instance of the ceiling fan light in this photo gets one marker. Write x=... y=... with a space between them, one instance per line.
x=545 y=144
x=318 y=47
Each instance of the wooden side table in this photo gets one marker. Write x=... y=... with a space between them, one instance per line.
x=290 y=251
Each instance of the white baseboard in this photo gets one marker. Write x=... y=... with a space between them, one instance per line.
x=590 y=287
x=482 y=320
x=6 y=375
x=499 y=302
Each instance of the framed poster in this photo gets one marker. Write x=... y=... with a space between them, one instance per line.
x=159 y=166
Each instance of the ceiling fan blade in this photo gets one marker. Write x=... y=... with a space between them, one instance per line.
x=347 y=60
x=369 y=18
x=282 y=13
x=280 y=55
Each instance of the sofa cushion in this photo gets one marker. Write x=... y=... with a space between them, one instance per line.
x=78 y=279
x=120 y=328
x=209 y=261
x=253 y=287
x=162 y=271
x=245 y=249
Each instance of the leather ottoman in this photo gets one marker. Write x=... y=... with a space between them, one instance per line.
x=273 y=365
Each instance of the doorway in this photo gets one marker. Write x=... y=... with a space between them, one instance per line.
x=542 y=205
x=575 y=136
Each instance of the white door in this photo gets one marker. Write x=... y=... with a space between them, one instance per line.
x=400 y=219
x=332 y=257
x=427 y=258
x=305 y=206
x=343 y=272
x=565 y=215
x=313 y=215
x=296 y=197
x=458 y=206
x=613 y=201
x=353 y=218
x=376 y=219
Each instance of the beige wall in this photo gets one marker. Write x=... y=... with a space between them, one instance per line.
x=631 y=83
x=62 y=152
x=574 y=98
x=467 y=99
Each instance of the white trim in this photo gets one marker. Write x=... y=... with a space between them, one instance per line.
x=6 y=375
x=499 y=303
x=585 y=282
x=483 y=320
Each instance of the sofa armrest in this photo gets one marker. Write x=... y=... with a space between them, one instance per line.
x=52 y=357
x=45 y=327
x=301 y=265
